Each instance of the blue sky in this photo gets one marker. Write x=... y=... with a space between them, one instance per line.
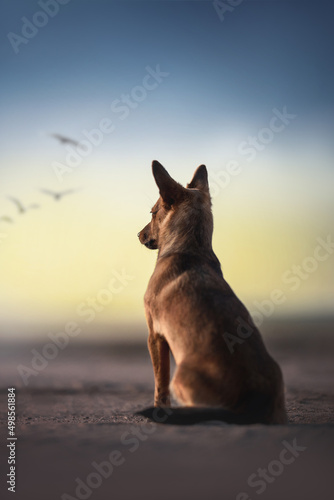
x=264 y=54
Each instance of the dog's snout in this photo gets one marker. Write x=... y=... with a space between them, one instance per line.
x=142 y=235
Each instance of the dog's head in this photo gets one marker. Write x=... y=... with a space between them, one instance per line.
x=179 y=212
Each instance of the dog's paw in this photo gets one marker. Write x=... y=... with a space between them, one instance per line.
x=162 y=403
x=162 y=400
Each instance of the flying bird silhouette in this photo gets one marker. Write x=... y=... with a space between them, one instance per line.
x=65 y=140
x=20 y=207
x=5 y=218
x=57 y=195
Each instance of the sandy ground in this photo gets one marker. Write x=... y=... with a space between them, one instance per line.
x=76 y=426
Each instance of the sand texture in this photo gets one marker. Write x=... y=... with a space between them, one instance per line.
x=80 y=409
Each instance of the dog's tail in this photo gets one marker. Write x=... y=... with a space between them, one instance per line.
x=193 y=415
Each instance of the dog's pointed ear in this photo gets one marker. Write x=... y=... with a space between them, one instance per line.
x=170 y=190
x=200 y=179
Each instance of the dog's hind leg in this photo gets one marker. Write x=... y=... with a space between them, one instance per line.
x=192 y=387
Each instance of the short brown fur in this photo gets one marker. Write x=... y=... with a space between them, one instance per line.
x=192 y=312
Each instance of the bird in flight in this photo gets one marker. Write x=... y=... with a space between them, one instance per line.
x=5 y=218
x=20 y=207
x=65 y=140
x=57 y=195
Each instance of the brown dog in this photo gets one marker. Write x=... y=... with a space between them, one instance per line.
x=221 y=361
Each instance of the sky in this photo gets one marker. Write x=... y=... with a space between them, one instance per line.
x=247 y=90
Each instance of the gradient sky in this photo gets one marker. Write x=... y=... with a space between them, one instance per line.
x=224 y=80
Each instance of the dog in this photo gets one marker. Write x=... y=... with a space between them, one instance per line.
x=223 y=370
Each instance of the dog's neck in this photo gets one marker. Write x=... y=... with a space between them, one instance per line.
x=183 y=234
